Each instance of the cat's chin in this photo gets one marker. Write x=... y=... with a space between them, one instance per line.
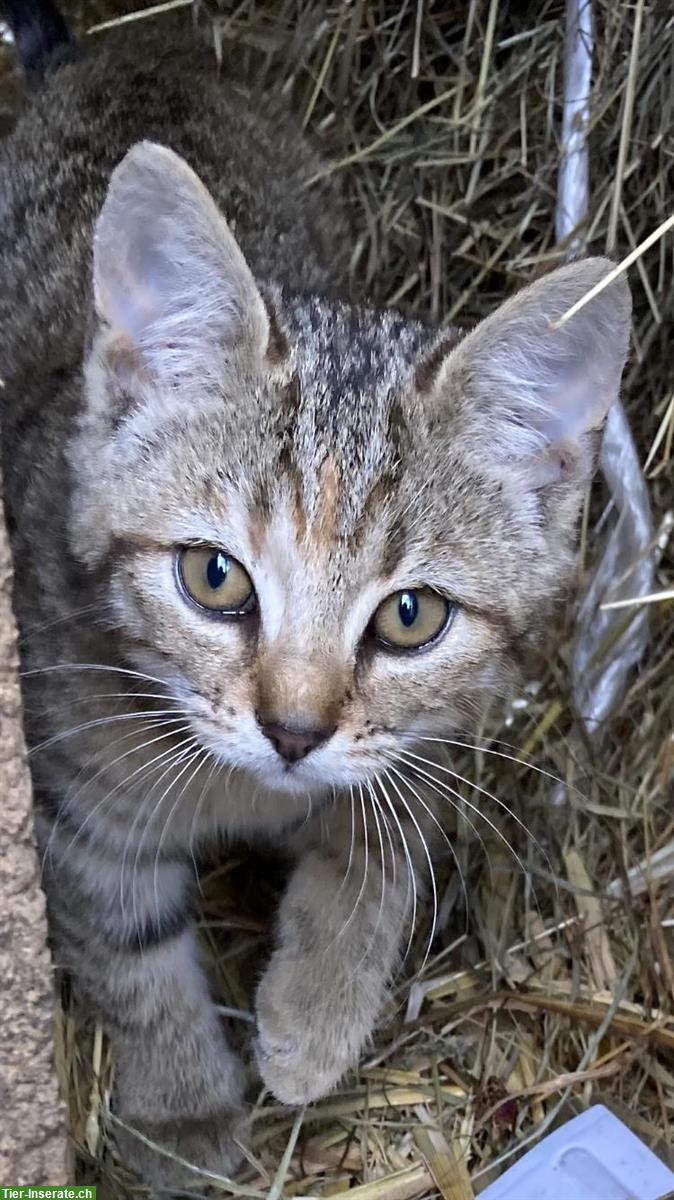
x=291 y=781
x=305 y=782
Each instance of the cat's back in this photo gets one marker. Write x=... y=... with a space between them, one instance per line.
x=157 y=83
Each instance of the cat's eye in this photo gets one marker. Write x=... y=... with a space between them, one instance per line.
x=411 y=619
x=215 y=581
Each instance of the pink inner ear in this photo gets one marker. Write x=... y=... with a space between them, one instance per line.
x=140 y=285
x=129 y=304
x=167 y=270
x=574 y=407
x=551 y=464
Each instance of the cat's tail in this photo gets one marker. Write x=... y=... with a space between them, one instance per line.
x=42 y=38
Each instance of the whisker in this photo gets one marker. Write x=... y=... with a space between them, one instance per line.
x=351 y=846
x=522 y=762
x=443 y=833
x=478 y=811
x=162 y=762
x=483 y=792
x=363 y=884
x=434 y=784
x=29 y=631
x=428 y=860
x=174 y=762
x=69 y=801
x=68 y=849
x=387 y=829
x=201 y=755
x=64 y=734
x=215 y=767
x=411 y=877
x=97 y=698
x=382 y=893
x=310 y=809
x=70 y=666
x=136 y=749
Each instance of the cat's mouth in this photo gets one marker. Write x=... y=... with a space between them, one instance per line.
x=308 y=765
x=297 y=778
x=314 y=775
x=249 y=755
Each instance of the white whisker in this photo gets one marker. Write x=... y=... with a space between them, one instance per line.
x=448 y=795
x=483 y=792
x=158 y=763
x=136 y=749
x=69 y=801
x=522 y=762
x=351 y=845
x=387 y=829
x=215 y=767
x=201 y=756
x=155 y=762
x=411 y=876
x=429 y=860
x=99 y=696
x=64 y=734
x=443 y=832
x=500 y=835
x=382 y=892
x=365 y=866
x=29 y=631
x=184 y=749
x=74 y=666
x=185 y=753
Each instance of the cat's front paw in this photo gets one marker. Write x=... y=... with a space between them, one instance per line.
x=178 y=1106
x=302 y=1048
x=287 y=1067
x=158 y=1152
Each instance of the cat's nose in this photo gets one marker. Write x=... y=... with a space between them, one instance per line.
x=293 y=744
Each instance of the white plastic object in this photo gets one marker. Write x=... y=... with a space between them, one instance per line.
x=592 y=1157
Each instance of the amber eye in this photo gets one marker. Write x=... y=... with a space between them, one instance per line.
x=411 y=619
x=214 y=580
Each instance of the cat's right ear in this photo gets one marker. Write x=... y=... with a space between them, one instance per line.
x=171 y=286
x=527 y=391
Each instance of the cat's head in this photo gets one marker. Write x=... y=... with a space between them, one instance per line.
x=329 y=529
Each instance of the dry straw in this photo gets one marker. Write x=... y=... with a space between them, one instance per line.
x=556 y=988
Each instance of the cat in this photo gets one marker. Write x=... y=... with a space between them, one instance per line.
x=267 y=540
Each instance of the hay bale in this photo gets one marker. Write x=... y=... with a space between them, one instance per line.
x=32 y=1113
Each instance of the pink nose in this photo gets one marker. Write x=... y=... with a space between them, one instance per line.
x=294 y=744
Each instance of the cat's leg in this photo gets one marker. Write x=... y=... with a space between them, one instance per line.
x=342 y=924
x=135 y=966
x=178 y=1083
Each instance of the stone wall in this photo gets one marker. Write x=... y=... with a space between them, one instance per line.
x=33 y=1145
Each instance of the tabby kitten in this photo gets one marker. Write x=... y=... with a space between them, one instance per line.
x=266 y=542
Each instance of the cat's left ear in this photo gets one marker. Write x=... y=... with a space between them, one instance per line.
x=527 y=392
x=170 y=282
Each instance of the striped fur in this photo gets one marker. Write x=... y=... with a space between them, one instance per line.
x=171 y=379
